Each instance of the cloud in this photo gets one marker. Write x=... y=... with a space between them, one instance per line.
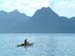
x=24 y=6
x=8 y=6
x=65 y=8
x=65 y=4
x=30 y=6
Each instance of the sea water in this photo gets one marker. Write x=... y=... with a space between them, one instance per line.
x=43 y=45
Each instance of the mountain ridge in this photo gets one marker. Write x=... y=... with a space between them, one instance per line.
x=45 y=20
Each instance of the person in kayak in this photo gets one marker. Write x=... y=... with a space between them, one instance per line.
x=25 y=42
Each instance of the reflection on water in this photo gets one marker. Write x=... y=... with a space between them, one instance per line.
x=44 y=45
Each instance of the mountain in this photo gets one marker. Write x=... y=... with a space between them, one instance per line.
x=12 y=22
x=67 y=25
x=45 y=20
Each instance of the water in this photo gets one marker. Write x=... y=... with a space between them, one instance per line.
x=44 y=45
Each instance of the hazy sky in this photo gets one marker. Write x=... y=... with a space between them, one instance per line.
x=61 y=7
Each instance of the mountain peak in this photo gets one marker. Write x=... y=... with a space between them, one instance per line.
x=45 y=12
x=45 y=8
x=15 y=11
x=2 y=12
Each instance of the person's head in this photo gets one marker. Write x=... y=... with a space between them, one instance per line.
x=26 y=39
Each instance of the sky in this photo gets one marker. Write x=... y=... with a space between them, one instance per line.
x=29 y=7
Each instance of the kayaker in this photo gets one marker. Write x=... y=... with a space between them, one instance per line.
x=25 y=42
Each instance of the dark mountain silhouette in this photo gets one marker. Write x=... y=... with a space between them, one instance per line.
x=45 y=20
x=12 y=22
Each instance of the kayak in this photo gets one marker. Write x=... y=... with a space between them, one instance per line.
x=25 y=45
